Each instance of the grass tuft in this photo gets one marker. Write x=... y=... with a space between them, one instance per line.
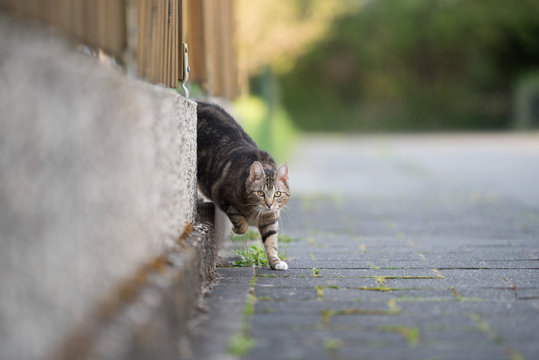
x=254 y=255
x=333 y=344
x=320 y=292
x=240 y=344
x=411 y=334
x=326 y=315
x=285 y=239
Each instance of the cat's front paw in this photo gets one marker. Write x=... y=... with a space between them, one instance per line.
x=240 y=230
x=280 y=266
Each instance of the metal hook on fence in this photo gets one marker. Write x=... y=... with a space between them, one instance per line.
x=186 y=70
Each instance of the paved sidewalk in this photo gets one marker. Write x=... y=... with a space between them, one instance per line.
x=405 y=248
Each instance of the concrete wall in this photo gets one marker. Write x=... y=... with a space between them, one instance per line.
x=97 y=178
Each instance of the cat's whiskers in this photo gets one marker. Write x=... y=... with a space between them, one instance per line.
x=260 y=212
x=248 y=205
x=287 y=212
x=254 y=213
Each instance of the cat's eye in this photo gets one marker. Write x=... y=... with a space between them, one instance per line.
x=277 y=194
x=260 y=193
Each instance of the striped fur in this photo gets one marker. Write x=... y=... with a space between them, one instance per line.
x=239 y=178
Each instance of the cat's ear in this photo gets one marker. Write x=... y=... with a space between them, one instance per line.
x=282 y=173
x=257 y=171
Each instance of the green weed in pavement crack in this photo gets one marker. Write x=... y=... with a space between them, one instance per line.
x=333 y=344
x=411 y=334
x=241 y=342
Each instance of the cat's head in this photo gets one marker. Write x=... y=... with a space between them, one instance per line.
x=267 y=189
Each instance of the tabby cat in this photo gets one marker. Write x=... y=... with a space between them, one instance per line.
x=239 y=178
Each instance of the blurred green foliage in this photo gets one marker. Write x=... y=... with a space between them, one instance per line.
x=416 y=65
x=271 y=129
x=526 y=102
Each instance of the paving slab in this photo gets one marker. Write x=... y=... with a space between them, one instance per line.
x=441 y=263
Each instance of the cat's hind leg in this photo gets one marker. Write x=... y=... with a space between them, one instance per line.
x=239 y=223
x=268 y=227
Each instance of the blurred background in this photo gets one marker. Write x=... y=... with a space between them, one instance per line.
x=387 y=66
x=98 y=150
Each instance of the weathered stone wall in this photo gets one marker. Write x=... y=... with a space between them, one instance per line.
x=97 y=178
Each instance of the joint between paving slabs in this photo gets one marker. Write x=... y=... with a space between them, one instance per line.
x=511 y=284
x=326 y=315
x=515 y=290
x=241 y=342
x=461 y=298
x=484 y=327
x=381 y=281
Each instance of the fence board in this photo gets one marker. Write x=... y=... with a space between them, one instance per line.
x=212 y=50
x=197 y=44
x=160 y=35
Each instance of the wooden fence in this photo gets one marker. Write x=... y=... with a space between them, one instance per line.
x=163 y=26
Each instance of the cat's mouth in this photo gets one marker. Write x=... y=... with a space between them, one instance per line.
x=267 y=210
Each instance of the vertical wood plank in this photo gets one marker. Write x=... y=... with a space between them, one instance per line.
x=209 y=40
x=172 y=37
x=153 y=40
x=195 y=40
x=142 y=9
x=175 y=38
x=168 y=43
x=179 y=65
x=159 y=42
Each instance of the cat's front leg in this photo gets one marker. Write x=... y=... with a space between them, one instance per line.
x=240 y=225
x=268 y=227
